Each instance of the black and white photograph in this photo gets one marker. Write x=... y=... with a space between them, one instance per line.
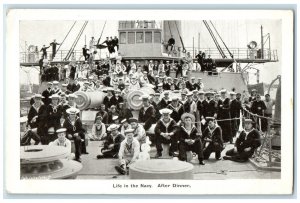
x=152 y=98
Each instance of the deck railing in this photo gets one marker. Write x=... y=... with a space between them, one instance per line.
x=238 y=53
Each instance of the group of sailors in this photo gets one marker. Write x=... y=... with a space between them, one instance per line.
x=192 y=120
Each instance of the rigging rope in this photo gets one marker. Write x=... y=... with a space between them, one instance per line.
x=66 y=36
x=169 y=27
x=214 y=39
x=183 y=48
x=76 y=41
x=101 y=33
x=221 y=39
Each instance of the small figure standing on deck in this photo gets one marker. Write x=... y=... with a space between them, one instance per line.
x=128 y=153
x=53 y=44
x=44 y=50
x=245 y=145
x=85 y=53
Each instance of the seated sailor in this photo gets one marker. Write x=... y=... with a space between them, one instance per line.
x=138 y=130
x=98 y=129
x=245 y=145
x=189 y=138
x=128 y=153
x=165 y=133
x=212 y=139
x=112 y=143
x=62 y=140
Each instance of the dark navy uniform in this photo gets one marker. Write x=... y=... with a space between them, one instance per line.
x=216 y=143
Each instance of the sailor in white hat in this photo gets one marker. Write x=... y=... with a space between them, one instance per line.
x=125 y=126
x=165 y=100
x=47 y=93
x=75 y=132
x=212 y=137
x=98 y=129
x=189 y=106
x=62 y=140
x=165 y=133
x=128 y=152
x=146 y=113
x=56 y=89
x=134 y=83
x=111 y=143
x=27 y=133
x=175 y=107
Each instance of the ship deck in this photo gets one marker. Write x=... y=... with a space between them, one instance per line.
x=94 y=168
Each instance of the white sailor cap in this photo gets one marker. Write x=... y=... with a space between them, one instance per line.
x=223 y=91
x=54 y=96
x=232 y=93
x=165 y=111
x=38 y=96
x=23 y=119
x=55 y=82
x=61 y=130
x=113 y=127
x=72 y=110
x=72 y=96
x=144 y=97
x=129 y=131
x=64 y=85
x=115 y=118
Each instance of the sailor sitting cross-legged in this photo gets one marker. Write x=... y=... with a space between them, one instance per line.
x=165 y=133
x=62 y=141
x=245 y=144
x=139 y=132
x=111 y=142
x=129 y=151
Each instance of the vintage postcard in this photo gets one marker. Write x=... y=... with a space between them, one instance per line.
x=149 y=101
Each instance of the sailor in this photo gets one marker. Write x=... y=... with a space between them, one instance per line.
x=234 y=108
x=98 y=129
x=171 y=43
x=189 y=138
x=44 y=50
x=37 y=117
x=183 y=97
x=103 y=113
x=258 y=106
x=161 y=67
x=224 y=113
x=195 y=96
x=212 y=139
x=85 y=53
x=47 y=93
x=189 y=106
x=128 y=153
x=118 y=98
x=138 y=131
x=53 y=44
x=193 y=85
x=126 y=90
x=62 y=140
x=125 y=126
x=245 y=145
x=165 y=101
x=75 y=132
x=200 y=83
x=167 y=84
x=175 y=106
x=56 y=89
x=165 y=133
x=109 y=99
x=124 y=111
x=160 y=89
x=64 y=89
x=253 y=95
x=167 y=68
x=112 y=111
x=54 y=111
x=144 y=79
x=147 y=114
x=112 y=143
x=201 y=109
x=269 y=103
x=27 y=133
x=151 y=66
x=134 y=84
x=210 y=107
x=155 y=66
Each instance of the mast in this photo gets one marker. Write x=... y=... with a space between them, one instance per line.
x=262 y=42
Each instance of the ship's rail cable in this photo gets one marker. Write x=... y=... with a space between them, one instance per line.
x=101 y=33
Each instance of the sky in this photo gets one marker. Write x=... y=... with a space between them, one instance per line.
x=235 y=33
